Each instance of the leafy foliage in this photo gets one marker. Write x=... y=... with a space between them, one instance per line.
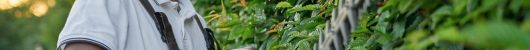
x=443 y=25
x=266 y=24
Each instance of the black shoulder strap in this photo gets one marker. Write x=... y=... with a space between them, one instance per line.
x=211 y=42
x=162 y=24
x=148 y=7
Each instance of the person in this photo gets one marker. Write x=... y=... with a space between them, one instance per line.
x=129 y=25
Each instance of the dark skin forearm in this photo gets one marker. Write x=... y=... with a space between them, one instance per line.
x=82 y=46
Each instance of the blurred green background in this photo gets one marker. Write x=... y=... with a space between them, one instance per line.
x=32 y=24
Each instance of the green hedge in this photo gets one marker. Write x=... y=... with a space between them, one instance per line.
x=266 y=24
x=386 y=24
x=444 y=25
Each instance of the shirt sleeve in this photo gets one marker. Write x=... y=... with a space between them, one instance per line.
x=89 y=22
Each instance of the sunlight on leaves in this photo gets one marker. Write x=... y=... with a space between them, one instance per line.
x=39 y=9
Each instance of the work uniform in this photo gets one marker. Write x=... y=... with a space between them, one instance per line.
x=126 y=25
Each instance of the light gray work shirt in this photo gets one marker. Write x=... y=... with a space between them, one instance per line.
x=126 y=25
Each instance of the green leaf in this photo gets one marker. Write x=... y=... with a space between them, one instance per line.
x=496 y=34
x=459 y=6
x=306 y=7
x=450 y=34
x=283 y=5
x=439 y=14
x=303 y=45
